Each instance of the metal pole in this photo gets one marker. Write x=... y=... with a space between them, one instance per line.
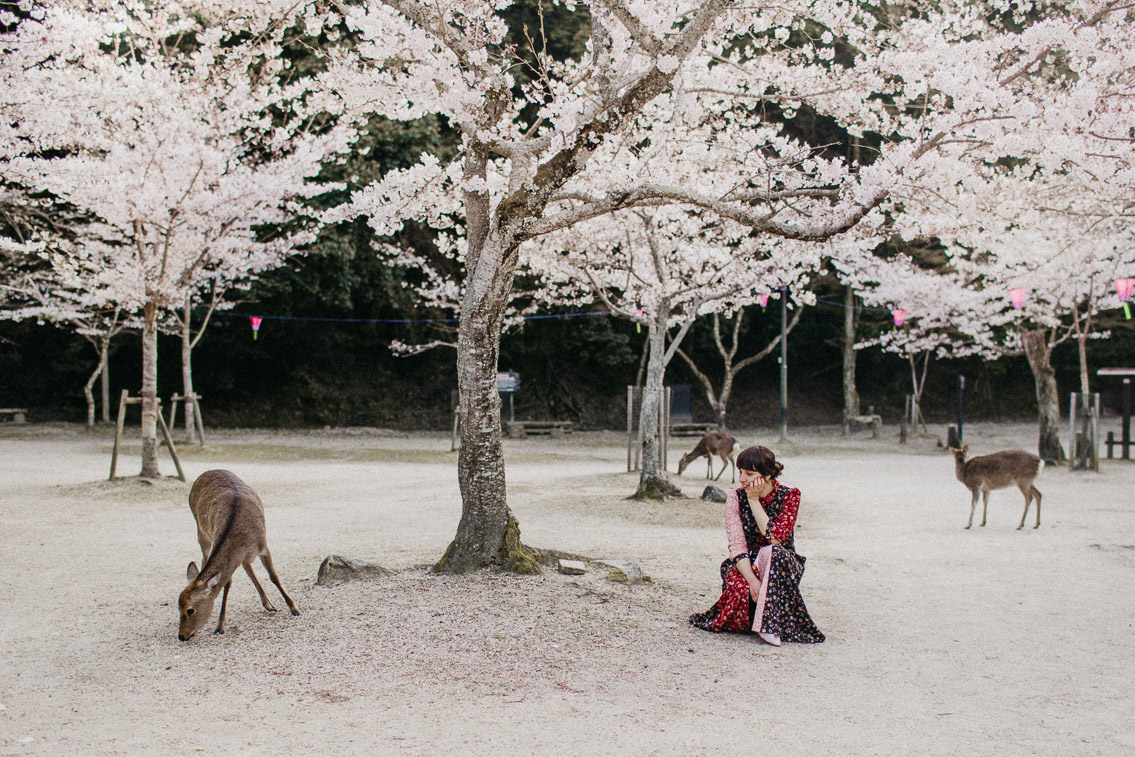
x=1072 y=440
x=630 y=429
x=961 y=389
x=784 y=364
x=1096 y=433
x=1126 y=418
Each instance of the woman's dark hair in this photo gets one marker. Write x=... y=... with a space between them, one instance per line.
x=761 y=460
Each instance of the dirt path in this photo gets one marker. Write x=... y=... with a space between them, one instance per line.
x=940 y=640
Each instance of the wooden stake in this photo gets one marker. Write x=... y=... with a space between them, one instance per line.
x=118 y=431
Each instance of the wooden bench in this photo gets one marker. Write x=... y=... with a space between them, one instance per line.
x=692 y=429
x=18 y=414
x=1112 y=443
x=521 y=429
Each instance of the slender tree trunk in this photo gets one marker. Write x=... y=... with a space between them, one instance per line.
x=917 y=385
x=1039 y=354
x=850 y=393
x=653 y=483
x=150 y=392
x=1082 y=348
x=88 y=392
x=722 y=405
x=187 y=372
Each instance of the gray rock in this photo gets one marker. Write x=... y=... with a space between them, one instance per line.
x=714 y=494
x=573 y=567
x=335 y=569
x=624 y=571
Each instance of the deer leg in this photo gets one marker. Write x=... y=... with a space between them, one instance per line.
x=972 y=507
x=1028 y=501
x=1035 y=493
x=224 y=606
x=724 y=465
x=266 y=559
x=259 y=589
x=984 y=505
x=708 y=467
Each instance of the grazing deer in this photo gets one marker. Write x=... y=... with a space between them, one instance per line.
x=999 y=470
x=717 y=443
x=231 y=532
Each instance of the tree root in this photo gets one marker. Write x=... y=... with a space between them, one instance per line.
x=513 y=556
x=657 y=488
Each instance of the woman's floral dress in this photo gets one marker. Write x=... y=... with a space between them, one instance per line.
x=779 y=612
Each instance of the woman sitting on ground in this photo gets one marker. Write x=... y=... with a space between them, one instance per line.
x=760 y=582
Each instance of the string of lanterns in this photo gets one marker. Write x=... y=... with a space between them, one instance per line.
x=1124 y=288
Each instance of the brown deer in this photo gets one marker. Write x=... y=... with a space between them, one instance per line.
x=983 y=474
x=717 y=443
x=231 y=532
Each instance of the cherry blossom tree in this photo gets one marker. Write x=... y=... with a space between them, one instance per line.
x=727 y=349
x=165 y=121
x=39 y=297
x=661 y=268
x=694 y=103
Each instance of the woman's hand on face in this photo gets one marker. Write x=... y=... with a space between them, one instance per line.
x=752 y=481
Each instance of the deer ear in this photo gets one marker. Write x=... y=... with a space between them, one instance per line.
x=191 y=572
x=212 y=583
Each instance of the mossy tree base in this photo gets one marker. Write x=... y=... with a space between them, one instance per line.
x=513 y=556
x=657 y=488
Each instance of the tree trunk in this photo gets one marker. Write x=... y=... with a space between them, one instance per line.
x=1039 y=354
x=652 y=483
x=1082 y=348
x=88 y=392
x=488 y=535
x=850 y=393
x=187 y=373
x=150 y=392
x=722 y=405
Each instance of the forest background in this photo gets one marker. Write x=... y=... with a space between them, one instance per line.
x=322 y=356
x=302 y=371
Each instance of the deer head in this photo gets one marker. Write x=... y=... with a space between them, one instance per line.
x=195 y=604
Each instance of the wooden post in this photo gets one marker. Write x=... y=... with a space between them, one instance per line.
x=118 y=431
x=169 y=443
x=125 y=400
x=174 y=400
x=197 y=418
x=198 y=423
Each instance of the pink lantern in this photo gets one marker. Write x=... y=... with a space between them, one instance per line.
x=1123 y=288
x=763 y=299
x=255 y=319
x=1017 y=297
x=899 y=315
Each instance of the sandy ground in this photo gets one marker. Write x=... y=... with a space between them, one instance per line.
x=991 y=641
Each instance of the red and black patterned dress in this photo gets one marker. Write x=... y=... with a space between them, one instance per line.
x=779 y=613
